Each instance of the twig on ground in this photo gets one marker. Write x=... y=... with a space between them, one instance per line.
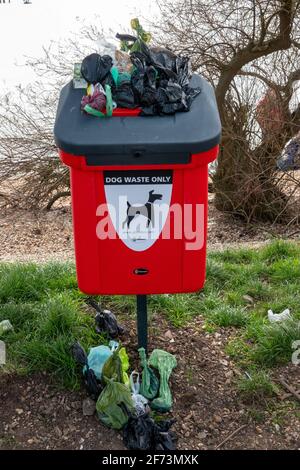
x=293 y=233
x=230 y=436
x=290 y=389
x=56 y=197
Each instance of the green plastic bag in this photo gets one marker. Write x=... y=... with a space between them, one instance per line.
x=125 y=366
x=115 y=75
x=142 y=37
x=165 y=363
x=116 y=367
x=150 y=383
x=114 y=405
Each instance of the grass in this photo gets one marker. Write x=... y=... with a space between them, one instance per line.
x=256 y=386
x=49 y=313
x=227 y=315
x=46 y=310
x=254 y=281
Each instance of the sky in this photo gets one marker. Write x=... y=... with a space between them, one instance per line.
x=24 y=29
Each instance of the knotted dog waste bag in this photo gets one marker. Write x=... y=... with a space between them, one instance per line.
x=150 y=383
x=116 y=367
x=165 y=363
x=115 y=405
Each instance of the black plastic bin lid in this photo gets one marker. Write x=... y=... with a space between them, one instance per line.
x=110 y=140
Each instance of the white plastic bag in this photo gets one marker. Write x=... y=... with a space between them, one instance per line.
x=279 y=317
x=139 y=401
x=5 y=326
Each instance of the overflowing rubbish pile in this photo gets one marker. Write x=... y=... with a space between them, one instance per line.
x=146 y=80
x=129 y=401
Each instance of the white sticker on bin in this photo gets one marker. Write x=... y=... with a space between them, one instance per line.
x=138 y=204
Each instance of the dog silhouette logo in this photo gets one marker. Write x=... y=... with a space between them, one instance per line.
x=146 y=210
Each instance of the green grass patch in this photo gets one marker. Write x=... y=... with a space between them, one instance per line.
x=178 y=308
x=227 y=315
x=279 y=250
x=43 y=333
x=251 y=283
x=256 y=386
x=30 y=282
x=235 y=256
x=49 y=313
x=273 y=343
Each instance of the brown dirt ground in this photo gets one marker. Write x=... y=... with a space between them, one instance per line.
x=35 y=415
x=40 y=236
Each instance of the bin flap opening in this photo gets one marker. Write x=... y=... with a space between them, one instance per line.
x=138 y=158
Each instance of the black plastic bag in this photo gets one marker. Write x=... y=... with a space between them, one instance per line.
x=126 y=37
x=138 y=433
x=106 y=321
x=164 y=438
x=150 y=93
x=108 y=80
x=93 y=387
x=95 y=68
x=160 y=82
x=138 y=77
x=142 y=433
x=163 y=60
x=124 y=96
x=143 y=81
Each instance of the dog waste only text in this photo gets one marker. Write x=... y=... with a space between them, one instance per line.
x=138 y=179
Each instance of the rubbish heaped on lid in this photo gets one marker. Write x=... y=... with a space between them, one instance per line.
x=165 y=363
x=123 y=61
x=142 y=433
x=160 y=81
x=115 y=405
x=130 y=43
x=94 y=68
x=157 y=80
x=92 y=385
x=150 y=384
x=124 y=95
x=106 y=321
x=96 y=101
x=123 y=77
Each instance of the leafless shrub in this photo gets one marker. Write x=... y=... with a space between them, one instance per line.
x=244 y=49
x=31 y=174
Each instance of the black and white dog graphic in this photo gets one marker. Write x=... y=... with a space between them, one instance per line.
x=147 y=210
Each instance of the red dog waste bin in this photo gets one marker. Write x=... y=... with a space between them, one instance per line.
x=139 y=194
